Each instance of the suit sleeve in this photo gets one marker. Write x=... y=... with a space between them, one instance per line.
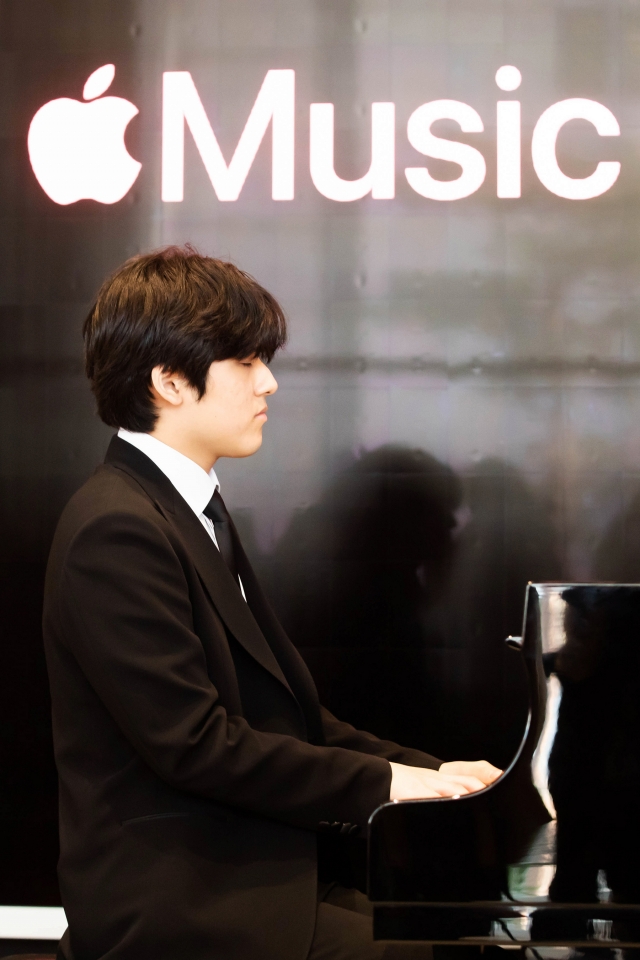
x=340 y=734
x=127 y=618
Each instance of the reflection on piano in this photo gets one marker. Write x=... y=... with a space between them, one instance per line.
x=550 y=852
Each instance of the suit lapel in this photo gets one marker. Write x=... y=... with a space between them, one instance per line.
x=224 y=591
x=293 y=666
x=212 y=570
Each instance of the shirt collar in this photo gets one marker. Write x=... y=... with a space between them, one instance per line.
x=194 y=484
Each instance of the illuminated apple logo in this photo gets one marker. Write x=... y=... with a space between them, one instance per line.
x=77 y=149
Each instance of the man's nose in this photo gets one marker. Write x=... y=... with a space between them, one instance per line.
x=267 y=382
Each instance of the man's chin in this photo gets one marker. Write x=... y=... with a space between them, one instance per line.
x=246 y=450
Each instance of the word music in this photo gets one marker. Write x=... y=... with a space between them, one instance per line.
x=275 y=104
x=77 y=149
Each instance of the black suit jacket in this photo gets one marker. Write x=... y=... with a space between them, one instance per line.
x=194 y=759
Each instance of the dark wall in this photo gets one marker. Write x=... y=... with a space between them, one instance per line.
x=458 y=409
x=51 y=261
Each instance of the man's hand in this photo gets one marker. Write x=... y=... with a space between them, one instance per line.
x=480 y=769
x=451 y=780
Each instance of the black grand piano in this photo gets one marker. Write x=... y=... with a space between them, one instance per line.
x=549 y=854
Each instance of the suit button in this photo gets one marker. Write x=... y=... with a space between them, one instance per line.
x=354 y=828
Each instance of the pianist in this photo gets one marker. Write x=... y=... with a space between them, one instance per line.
x=197 y=768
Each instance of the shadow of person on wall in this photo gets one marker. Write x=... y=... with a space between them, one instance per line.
x=399 y=587
x=356 y=579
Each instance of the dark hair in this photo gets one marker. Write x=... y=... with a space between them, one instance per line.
x=176 y=309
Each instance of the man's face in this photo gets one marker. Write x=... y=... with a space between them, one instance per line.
x=227 y=421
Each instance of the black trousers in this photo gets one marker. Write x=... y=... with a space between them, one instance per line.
x=344 y=930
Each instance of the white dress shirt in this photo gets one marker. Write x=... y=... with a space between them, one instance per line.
x=194 y=484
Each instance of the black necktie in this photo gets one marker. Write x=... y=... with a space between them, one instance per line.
x=216 y=511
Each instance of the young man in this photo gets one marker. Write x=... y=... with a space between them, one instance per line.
x=196 y=765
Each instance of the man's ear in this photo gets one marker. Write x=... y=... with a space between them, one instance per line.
x=168 y=387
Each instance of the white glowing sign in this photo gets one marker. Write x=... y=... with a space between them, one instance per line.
x=508 y=164
x=474 y=169
x=379 y=180
x=543 y=149
x=77 y=149
x=182 y=105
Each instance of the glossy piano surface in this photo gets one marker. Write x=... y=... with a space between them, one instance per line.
x=549 y=853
